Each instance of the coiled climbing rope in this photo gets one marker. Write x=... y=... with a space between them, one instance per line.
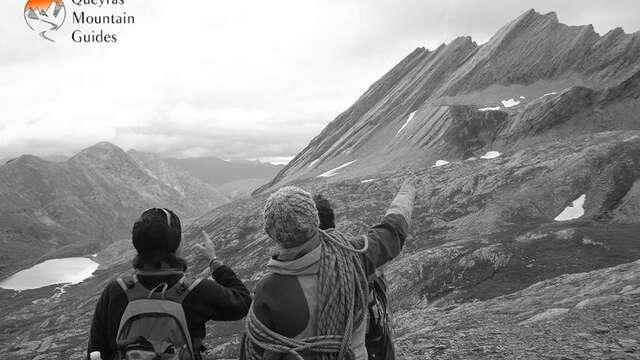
x=342 y=292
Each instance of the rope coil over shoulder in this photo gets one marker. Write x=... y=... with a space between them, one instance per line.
x=342 y=292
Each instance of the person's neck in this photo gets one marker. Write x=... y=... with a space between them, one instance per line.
x=299 y=251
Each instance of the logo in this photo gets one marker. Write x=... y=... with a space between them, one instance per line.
x=45 y=16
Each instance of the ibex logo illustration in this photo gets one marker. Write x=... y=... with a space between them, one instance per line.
x=44 y=16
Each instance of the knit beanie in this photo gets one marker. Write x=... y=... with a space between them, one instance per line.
x=290 y=217
x=158 y=231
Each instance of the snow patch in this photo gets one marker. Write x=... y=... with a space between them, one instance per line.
x=549 y=94
x=150 y=173
x=587 y=241
x=440 y=163
x=472 y=159
x=522 y=97
x=510 y=103
x=490 y=108
x=179 y=189
x=313 y=163
x=407 y=122
x=574 y=211
x=367 y=181
x=491 y=155
x=333 y=172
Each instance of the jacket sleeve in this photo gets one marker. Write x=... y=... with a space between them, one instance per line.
x=387 y=238
x=99 y=337
x=225 y=299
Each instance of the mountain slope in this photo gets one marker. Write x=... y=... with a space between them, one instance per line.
x=483 y=241
x=401 y=119
x=73 y=207
x=199 y=194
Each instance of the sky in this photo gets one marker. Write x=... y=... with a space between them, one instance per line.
x=234 y=79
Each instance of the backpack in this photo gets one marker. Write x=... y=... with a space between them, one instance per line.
x=154 y=326
x=378 y=339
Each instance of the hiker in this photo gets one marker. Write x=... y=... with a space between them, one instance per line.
x=378 y=336
x=179 y=307
x=313 y=302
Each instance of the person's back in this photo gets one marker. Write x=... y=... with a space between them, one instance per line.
x=159 y=269
x=378 y=339
x=305 y=288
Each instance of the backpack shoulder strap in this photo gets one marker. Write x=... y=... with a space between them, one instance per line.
x=132 y=287
x=126 y=282
x=181 y=289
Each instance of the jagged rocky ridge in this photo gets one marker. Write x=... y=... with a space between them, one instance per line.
x=487 y=272
x=439 y=90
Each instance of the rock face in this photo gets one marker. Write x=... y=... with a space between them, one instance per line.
x=80 y=205
x=488 y=273
x=405 y=118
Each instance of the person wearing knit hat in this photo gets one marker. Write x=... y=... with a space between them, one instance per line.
x=312 y=304
x=290 y=217
x=157 y=238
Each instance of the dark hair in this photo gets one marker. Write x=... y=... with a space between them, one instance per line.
x=325 y=212
x=156 y=237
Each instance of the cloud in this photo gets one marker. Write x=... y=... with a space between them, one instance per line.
x=242 y=79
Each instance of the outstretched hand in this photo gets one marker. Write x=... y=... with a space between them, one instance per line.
x=207 y=248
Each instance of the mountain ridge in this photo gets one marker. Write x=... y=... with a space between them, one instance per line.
x=76 y=206
x=535 y=53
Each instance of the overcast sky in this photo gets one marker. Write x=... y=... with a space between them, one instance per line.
x=234 y=79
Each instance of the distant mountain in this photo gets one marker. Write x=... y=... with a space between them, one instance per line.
x=86 y=202
x=235 y=178
x=216 y=171
x=52 y=158
x=196 y=192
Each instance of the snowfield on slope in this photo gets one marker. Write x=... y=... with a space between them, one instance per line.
x=573 y=211
x=334 y=172
x=313 y=163
x=441 y=163
x=490 y=155
x=510 y=103
x=407 y=122
x=490 y=108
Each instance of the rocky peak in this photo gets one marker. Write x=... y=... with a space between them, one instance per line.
x=102 y=150
x=404 y=115
x=108 y=159
x=26 y=159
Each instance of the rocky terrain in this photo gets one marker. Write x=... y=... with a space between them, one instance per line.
x=520 y=128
